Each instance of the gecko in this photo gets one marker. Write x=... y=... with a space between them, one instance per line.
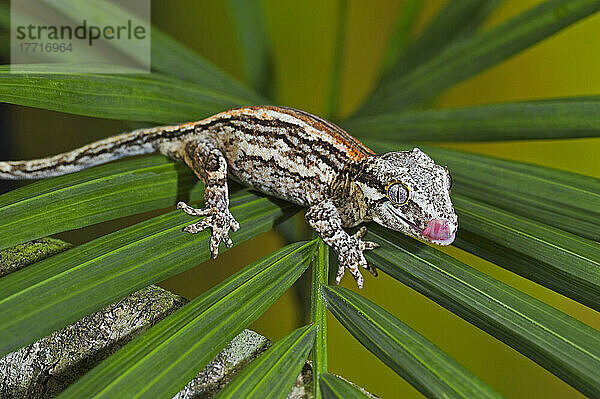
x=293 y=155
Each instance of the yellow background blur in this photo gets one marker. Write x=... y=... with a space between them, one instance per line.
x=303 y=36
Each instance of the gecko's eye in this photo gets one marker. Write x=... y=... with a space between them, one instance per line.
x=398 y=193
x=449 y=182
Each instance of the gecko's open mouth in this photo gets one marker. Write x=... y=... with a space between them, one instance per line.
x=446 y=241
x=436 y=231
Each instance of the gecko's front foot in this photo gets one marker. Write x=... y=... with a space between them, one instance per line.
x=351 y=257
x=220 y=221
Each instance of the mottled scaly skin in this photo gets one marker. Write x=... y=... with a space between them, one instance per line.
x=292 y=155
x=284 y=152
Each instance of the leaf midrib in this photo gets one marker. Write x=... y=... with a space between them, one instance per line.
x=98 y=180
x=406 y=348
x=505 y=305
x=261 y=360
x=213 y=330
x=532 y=237
x=121 y=249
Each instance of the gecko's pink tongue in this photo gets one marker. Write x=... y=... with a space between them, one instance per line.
x=437 y=230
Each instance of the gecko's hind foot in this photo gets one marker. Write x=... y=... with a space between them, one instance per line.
x=351 y=257
x=220 y=221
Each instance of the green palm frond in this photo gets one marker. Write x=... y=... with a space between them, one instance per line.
x=410 y=355
x=468 y=57
x=135 y=97
x=189 y=338
x=559 y=118
x=545 y=228
x=113 y=266
x=272 y=375
x=558 y=342
x=333 y=387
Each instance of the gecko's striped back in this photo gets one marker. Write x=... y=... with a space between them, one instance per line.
x=283 y=152
x=317 y=132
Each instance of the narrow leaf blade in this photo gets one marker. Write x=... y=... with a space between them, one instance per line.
x=421 y=363
x=183 y=343
x=469 y=57
x=318 y=313
x=407 y=17
x=521 y=228
x=275 y=371
x=561 y=261
x=253 y=39
x=338 y=59
x=334 y=387
x=549 y=119
x=457 y=20
x=168 y=55
x=92 y=196
x=565 y=200
x=135 y=97
x=58 y=291
x=554 y=340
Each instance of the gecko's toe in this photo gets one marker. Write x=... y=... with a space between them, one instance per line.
x=194 y=211
x=371 y=269
x=340 y=274
x=214 y=246
x=186 y=208
x=360 y=233
x=368 y=245
x=220 y=223
x=358 y=277
x=227 y=241
x=352 y=261
x=193 y=228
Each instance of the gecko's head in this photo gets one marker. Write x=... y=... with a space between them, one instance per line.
x=407 y=192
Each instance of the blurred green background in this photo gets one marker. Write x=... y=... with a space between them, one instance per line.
x=303 y=40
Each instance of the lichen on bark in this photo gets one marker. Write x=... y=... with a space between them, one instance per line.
x=15 y=258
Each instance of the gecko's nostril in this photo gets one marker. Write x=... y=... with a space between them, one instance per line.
x=437 y=230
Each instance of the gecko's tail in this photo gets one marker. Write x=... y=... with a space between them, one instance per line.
x=137 y=142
